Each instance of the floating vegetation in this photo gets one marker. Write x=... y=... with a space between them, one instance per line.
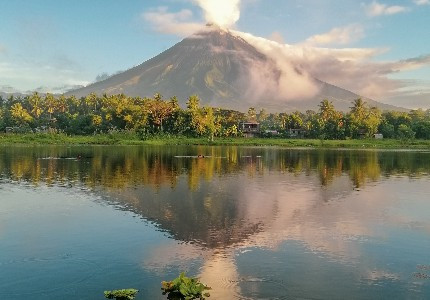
x=185 y=288
x=128 y=294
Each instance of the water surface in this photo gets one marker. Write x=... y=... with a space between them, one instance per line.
x=253 y=223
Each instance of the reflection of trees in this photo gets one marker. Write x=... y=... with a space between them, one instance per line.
x=121 y=167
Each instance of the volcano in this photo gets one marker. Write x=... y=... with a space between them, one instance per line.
x=220 y=68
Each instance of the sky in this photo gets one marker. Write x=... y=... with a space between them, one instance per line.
x=379 y=49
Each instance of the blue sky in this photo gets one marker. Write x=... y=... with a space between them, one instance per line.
x=53 y=44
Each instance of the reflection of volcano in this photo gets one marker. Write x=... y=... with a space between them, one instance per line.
x=241 y=212
x=207 y=217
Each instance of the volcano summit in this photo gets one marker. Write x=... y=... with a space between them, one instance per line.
x=226 y=71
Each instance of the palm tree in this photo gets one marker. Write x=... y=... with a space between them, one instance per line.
x=327 y=109
x=50 y=104
x=62 y=104
x=20 y=114
x=359 y=108
x=36 y=104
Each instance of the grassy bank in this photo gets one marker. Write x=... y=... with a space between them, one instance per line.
x=133 y=139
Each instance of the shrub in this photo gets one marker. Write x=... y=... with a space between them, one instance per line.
x=185 y=288
x=405 y=132
x=128 y=294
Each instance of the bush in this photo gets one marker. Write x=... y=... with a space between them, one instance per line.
x=422 y=129
x=128 y=294
x=404 y=132
x=387 y=130
x=185 y=288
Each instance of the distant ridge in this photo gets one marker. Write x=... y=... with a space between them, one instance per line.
x=216 y=66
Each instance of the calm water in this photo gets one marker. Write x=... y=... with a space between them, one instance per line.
x=253 y=223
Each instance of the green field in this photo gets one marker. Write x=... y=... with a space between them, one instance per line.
x=133 y=139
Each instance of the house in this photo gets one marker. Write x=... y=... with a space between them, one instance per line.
x=250 y=129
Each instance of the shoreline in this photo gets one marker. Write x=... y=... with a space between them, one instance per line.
x=134 y=140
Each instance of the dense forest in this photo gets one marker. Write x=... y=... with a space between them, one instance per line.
x=158 y=116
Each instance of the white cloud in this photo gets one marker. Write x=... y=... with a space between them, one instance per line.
x=25 y=76
x=177 y=23
x=422 y=2
x=8 y=89
x=378 y=9
x=350 y=68
x=338 y=36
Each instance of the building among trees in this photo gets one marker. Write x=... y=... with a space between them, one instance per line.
x=250 y=129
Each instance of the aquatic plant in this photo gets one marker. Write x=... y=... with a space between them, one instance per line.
x=128 y=294
x=185 y=288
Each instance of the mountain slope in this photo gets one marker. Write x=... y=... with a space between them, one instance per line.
x=220 y=68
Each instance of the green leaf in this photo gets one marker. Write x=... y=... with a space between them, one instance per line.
x=184 y=287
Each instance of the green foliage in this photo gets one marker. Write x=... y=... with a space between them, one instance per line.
x=128 y=294
x=387 y=130
x=405 y=132
x=20 y=114
x=422 y=129
x=262 y=116
x=252 y=114
x=185 y=288
x=157 y=118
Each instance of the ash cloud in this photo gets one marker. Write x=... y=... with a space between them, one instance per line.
x=224 y=13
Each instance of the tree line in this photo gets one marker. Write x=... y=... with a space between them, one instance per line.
x=156 y=115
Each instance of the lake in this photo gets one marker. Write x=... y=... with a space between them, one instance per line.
x=252 y=223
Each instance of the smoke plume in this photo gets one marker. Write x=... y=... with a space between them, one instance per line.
x=224 y=13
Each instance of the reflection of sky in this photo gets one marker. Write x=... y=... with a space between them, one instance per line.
x=65 y=244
